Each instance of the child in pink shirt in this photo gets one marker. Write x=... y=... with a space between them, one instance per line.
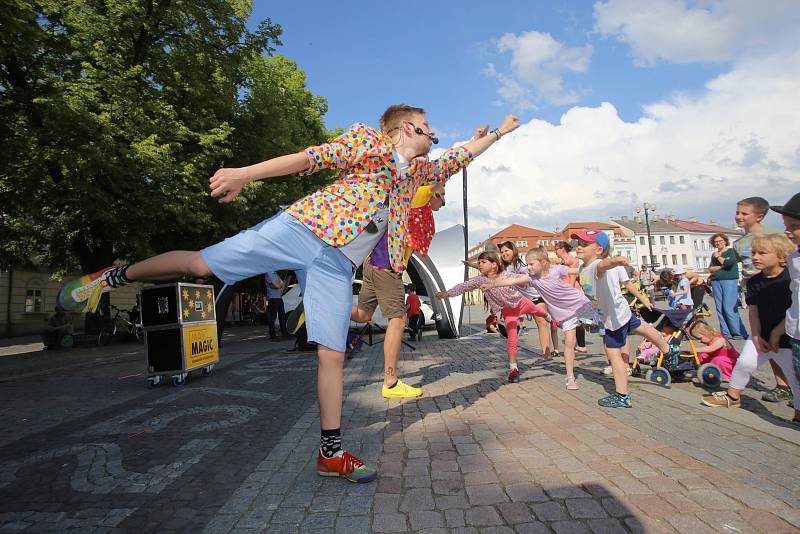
x=503 y=299
x=715 y=348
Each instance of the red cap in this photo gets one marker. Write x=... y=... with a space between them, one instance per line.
x=593 y=236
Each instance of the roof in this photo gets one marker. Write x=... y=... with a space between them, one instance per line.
x=693 y=226
x=517 y=230
x=594 y=225
x=658 y=226
x=591 y=224
x=676 y=226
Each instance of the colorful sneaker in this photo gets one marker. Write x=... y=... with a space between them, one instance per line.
x=79 y=293
x=513 y=376
x=779 y=394
x=721 y=399
x=345 y=465
x=571 y=385
x=615 y=400
x=400 y=390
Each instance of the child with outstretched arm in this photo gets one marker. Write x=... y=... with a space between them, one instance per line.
x=567 y=304
x=501 y=299
x=601 y=278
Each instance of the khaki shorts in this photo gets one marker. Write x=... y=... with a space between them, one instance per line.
x=384 y=289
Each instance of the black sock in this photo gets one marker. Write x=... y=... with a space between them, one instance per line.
x=116 y=277
x=623 y=394
x=330 y=442
x=393 y=385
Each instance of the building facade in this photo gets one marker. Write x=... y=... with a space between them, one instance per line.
x=28 y=298
x=674 y=242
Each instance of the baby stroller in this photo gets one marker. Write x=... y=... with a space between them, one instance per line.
x=664 y=369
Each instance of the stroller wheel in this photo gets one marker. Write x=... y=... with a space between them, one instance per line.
x=659 y=376
x=710 y=375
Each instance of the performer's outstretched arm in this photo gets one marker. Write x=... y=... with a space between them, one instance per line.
x=228 y=182
x=478 y=145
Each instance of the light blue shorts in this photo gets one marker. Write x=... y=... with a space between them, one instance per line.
x=284 y=243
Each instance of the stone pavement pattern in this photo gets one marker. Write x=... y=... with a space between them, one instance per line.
x=235 y=452
x=478 y=455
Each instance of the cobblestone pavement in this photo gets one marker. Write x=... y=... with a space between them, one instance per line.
x=235 y=451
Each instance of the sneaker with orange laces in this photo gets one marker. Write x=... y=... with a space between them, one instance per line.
x=343 y=464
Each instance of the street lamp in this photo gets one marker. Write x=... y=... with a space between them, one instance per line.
x=648 y=206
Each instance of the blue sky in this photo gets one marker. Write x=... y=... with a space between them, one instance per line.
x=437 y=59
x=690 y=104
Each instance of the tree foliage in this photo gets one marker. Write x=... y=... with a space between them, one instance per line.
x=115 y=113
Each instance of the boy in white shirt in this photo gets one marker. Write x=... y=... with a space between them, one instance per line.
x=601 y=282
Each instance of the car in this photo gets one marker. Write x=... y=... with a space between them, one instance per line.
x=292 y=297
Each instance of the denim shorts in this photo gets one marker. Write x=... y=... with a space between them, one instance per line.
x=616 y=339
x=284 y=243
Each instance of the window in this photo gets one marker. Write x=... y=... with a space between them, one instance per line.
x=652 y=240
x=682 y=239
x=662 y=240
x=684 y=261
x=641 y=240
x=674 y=259
x=664 y=260
x=522 y=243
x=672 y=240
x=644 y=260
x=33 y=300
x=696 y=247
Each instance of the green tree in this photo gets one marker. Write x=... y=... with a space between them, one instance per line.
x=115 y=113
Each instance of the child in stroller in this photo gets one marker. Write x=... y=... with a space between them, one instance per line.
x=664 y=369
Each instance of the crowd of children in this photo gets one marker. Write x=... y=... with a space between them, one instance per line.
x=772 y=288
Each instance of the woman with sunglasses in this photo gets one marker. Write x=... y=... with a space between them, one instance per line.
x=724 y=269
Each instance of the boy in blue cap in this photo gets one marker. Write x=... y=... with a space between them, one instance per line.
x=602 y=279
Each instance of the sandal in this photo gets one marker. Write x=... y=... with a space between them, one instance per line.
x=571 y=385
x=554 y=354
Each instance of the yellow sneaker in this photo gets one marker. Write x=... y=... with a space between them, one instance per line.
x=401 y=390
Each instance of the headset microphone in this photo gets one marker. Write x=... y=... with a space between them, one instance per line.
x=434 y=140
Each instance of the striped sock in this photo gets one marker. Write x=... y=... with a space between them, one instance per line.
x=116 y=277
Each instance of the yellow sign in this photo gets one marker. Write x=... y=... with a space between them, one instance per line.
x=200 y=345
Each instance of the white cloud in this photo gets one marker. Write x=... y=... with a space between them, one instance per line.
x=539 y=63
x=678 y=31
x=692 y=155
